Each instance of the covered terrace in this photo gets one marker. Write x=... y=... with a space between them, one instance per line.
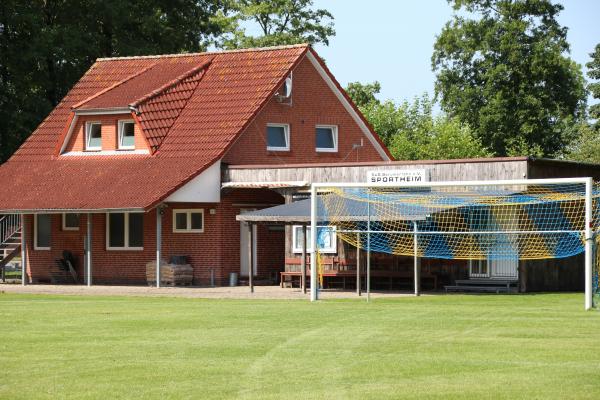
x=297 y=213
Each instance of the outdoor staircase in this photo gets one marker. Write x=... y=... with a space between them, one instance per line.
x=10 y=240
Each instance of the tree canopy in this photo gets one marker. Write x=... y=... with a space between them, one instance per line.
x=411 y=131
x=278 y=21
x=586 y=147
x=594 y=87
x=501 y=67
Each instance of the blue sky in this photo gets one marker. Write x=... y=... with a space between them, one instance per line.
x=391 y=41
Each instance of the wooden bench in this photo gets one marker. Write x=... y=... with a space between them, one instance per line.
x=391 y=275
x=483 y=285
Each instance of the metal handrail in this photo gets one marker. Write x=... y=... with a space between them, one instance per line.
x=9 y=225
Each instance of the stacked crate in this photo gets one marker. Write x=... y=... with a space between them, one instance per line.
x=170 y=274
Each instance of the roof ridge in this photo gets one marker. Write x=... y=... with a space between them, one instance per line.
x=111 y=87
x=170 y=84
x=247 y=50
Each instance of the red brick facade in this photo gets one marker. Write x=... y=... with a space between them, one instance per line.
x=217 y=248
x=312 y=103
x=110 y=131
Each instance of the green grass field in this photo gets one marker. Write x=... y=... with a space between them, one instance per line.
x=515 y=346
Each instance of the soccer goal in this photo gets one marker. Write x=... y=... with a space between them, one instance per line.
x=526 y=219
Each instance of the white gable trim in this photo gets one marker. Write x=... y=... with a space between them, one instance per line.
x=68 y=135
x=104 y=111
x=367 y=132
x=204 y=188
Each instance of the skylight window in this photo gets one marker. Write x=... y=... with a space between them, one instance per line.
x=126 y=135
x=93 y=136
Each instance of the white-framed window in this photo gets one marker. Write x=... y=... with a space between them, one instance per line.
x=327 y=238
x=93 y=136
x=42 y=231
x=127 y=134
x=326 y=138
x=187 y=221
x=278 y=137
x=70 y=222
x=125 y=231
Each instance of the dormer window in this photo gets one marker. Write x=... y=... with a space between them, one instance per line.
x=126 y=135
x=93 y=136
x=278 y=137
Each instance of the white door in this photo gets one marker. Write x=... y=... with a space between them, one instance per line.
x=504 y=269
x=244 y=246
x=505 y=265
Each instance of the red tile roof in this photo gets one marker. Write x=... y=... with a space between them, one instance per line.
x=158 y=111
x=191 y=108
x=141 y=83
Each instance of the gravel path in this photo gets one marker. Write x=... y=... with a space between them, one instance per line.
x=238 y=292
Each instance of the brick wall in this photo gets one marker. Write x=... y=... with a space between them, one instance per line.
x=313 y=103
x=110 y=131
x=217 y=248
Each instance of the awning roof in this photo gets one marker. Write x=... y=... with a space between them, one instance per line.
x=298 y=212
x=265 y=185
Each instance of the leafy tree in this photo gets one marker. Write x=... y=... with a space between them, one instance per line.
x=363 y=94
x=279 y=22
x=501 y=68
x=586 y=147
x=594 y=87
x=411 y=131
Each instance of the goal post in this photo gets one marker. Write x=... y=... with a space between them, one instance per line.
x=526 y=219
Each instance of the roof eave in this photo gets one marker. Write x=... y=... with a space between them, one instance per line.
x=71 y=210
x=103 y=111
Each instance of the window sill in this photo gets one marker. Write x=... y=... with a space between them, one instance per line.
x=42 y=248
x=189 y=231
x=278 y=149
x=326 y=150
x=124 y=248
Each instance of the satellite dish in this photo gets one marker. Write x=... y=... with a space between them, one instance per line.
x=287 y=87
x=285 y=92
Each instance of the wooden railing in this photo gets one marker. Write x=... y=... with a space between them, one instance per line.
x=9 y=225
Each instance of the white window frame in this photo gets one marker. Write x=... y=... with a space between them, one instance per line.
x=189 y=213
x=35 y=233
x=334 y=131
x=88 y=126
x=64 y=223
x=122 y=122
x=297 y=229
x=126 y=238
x=286 y=131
